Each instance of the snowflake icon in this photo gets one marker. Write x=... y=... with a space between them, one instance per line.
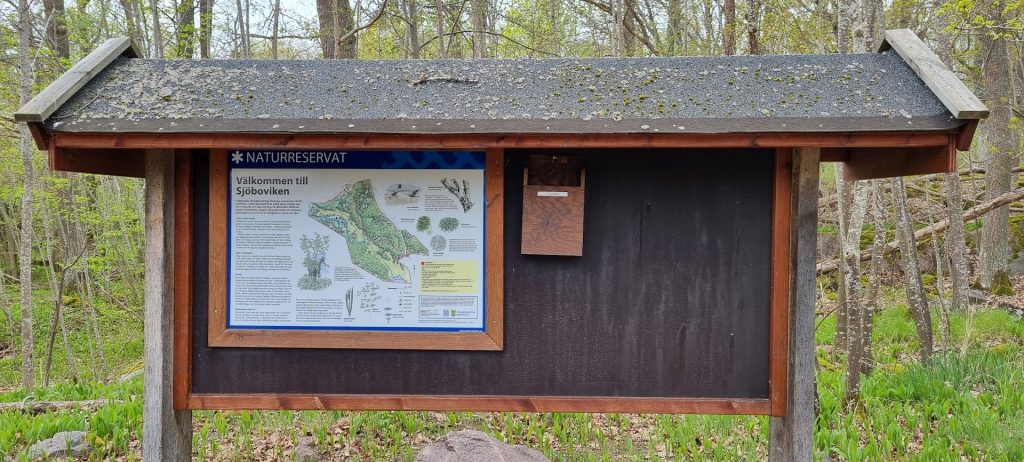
x=236 y=157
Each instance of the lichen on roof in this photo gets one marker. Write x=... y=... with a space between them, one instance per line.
x=606 y=94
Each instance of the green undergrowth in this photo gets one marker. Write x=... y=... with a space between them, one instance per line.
x=121 y=339
x=965 y=403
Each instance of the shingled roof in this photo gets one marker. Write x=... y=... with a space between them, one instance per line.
x=872 y=92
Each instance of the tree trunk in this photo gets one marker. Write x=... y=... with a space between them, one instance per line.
x=956 y=243
x=276 y=29
x=57 y=28
x=939 y=257
x=479 y=12
x=1000 y=151
x=7 y=307
x=874 y=293
x=186 y=29
x=158 y=41
x=677 y=26
x=847 y=13
x=412 y=26
x=9 y=234
x=205 y=27
x=144 y=25
x=554 y=16
x=326 y=16
x=618 y=33
x=854 y=226
x=729 y=28
x=132 y=22
x=247 y=35
x=754 y=26
x=442 y=48
x=844 y=203
x=917 y=302
x=347 y=48
x=90 y=310
x=25 y=246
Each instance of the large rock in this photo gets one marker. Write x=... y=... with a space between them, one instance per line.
x=63 y=444
x=306 y=451
x=474 y=446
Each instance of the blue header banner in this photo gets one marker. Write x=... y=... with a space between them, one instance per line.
x=446 y=160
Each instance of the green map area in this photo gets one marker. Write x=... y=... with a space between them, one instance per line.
x=375 y=243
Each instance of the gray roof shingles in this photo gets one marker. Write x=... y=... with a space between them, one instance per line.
x=783 y=93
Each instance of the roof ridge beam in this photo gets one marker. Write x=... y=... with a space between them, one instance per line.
x=44 y=104
x=960 y=101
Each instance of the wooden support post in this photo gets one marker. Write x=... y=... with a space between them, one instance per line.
x=792 y=436
x=167 y=434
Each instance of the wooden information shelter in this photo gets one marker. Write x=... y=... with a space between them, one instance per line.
x=596 y=235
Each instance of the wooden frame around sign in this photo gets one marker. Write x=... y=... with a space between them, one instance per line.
x=774 y=405
x=491 y=339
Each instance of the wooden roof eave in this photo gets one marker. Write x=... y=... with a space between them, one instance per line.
x=121 y=153
x=862 y=163
x=44 y=104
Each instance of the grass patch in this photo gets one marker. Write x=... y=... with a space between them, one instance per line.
x=966 y=403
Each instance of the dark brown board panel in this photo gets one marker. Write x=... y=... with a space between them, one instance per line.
x=669 y=300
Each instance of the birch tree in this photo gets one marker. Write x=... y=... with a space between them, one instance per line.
x=25 y=246
x=917 y=301
x=956 y=242
x=851 y=213
x=158 y=41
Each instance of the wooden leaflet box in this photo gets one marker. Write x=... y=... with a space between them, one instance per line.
x=553 y=197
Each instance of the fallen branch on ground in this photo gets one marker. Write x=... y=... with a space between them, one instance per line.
x=44 y=406
x=919 y=235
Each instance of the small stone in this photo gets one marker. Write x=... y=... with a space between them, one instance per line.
x=475 y=446
x=61 y=445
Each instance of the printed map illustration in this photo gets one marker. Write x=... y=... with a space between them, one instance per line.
x=374 y=242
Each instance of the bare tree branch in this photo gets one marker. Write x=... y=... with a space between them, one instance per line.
x=354 y=31
x=496 y=34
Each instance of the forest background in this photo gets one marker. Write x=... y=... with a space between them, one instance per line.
x=921 y=343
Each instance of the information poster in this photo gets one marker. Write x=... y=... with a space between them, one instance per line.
x=356 y=240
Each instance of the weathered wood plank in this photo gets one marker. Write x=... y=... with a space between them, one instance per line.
x=343 y=339
x=217 y=242
x=117 y=162
x=61 y=90
x=869 y=163
x=960 y=101
x=462 y=141
x=792 y=435
x=779 y=335
x=167 y=434
x=182 y=278
x=966 y=135
x=495 y=250
x=478 y=403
